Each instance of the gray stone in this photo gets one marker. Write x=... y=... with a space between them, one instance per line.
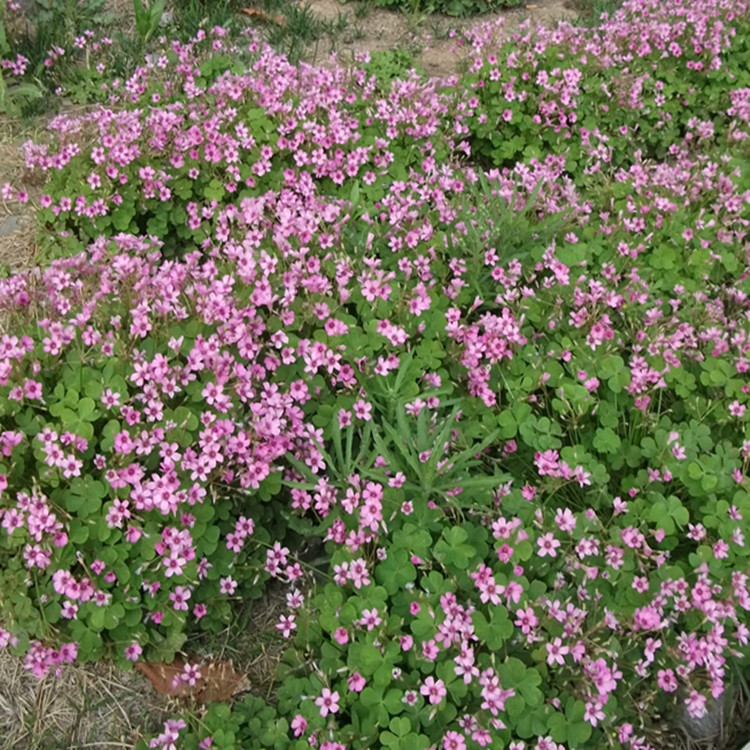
x=710 y=725
x=9 y=225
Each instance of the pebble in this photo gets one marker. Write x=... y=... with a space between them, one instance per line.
x=9 y=225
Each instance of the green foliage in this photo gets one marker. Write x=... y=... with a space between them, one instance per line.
x=13 y=95
x=192 y=15
x=449 y=7
x=508 y=129
x=299 y=27
x=388 y=65
x=45 y=37
x=148 y=15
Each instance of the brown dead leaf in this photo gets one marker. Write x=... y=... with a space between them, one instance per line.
x=263 y=17
x=218 y=681
x=162 y=677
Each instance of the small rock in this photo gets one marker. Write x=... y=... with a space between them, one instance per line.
x=10 y=225
x=709 y=725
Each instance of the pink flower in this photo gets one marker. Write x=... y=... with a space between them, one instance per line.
x=363 y=410
x=593 y=713
x=505 y=553
x=341 y=636
x=582 y=476
x=736 y=409
x=286 y=625
x=454 y=741
x=696 y=704
x=721 y=550
x=327 y=702
x=434 y=690
x=370 y=619
x=430 y=650
x=190 y=674
x=565 y=519
x=410 y=698
x=556 y=652
x=299 y=725
x=547 y=545
x=624 y=732
x=482 y=736
x=356 y=683
x=199 y=611
x=133 y=651
x=592 y=384
x=526 y=620
x=179 y=598
x=666 y=680
x=547 y=463
x=133 y=534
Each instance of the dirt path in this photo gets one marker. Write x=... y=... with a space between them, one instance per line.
x=17 y=231
x=427 y=37
x=89 y=706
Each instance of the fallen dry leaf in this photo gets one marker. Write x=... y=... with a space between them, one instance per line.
x=263 y=17
x=218 y=681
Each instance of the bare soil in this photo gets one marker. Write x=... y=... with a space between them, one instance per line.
x=427 y=37
x=88 y=707
x=17 y=230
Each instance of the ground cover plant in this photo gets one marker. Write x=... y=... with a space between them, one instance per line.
x=631 y=85
x=450 y=7
x=62 y=52
x=485 y=356
x=44 y=43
